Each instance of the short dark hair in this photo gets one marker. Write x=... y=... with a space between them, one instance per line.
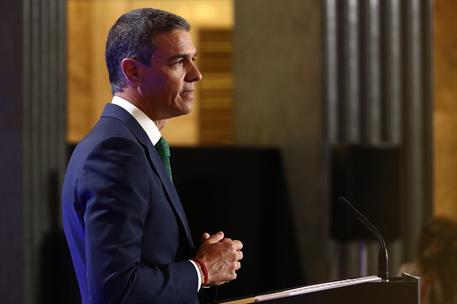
x=132 y=35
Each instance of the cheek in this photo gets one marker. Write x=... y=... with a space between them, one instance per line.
x=166 y=85
x=153 y=85
x=174 y=87
x=160 y=87
x=159 y=82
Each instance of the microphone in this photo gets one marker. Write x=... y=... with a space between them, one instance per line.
x=383 y=257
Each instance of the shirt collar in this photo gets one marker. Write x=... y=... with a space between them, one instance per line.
x=145 y=122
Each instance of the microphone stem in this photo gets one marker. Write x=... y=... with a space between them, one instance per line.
x=383 y=257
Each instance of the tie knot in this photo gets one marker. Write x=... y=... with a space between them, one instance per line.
x=162 y=148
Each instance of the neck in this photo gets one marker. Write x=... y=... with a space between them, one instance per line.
x=133 y=97
x=160 y=123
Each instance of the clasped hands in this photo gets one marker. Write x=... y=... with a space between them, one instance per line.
x=221 y=256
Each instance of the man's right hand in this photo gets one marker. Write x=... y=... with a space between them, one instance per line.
x=221 y=257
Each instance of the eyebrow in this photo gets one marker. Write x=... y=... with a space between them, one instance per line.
x=178 y=56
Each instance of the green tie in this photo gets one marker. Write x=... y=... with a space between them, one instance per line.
x=164 y=151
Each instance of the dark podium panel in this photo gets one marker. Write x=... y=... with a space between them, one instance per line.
x=241 y=191
x=404 y=290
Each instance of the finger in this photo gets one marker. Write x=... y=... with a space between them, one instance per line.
x=233 y=275
x=205 y=236
x=237 y=265
x=216 y=237
x=234 y=245
x=229 y=277
x=227 y=240
x=233 y=256
x=237 y=245
x=239 y=255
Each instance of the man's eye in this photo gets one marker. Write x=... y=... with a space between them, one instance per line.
x=179 y=62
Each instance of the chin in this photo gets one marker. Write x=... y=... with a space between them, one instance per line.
x=181 y=107
x=186 y=111
x=187 y=108
x=180 y=112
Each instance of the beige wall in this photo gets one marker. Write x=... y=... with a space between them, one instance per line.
x=88 y=85
x=278 y=103
x=445 y=116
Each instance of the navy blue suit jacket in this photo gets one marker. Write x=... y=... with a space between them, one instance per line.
x=124 y=223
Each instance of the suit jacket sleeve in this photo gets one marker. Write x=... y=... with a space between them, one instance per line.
x=114 y=188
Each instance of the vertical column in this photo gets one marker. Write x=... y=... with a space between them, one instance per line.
x=427 y=9
x=331 y=69
x=372 y=72
x=352 y=70
x=11 y=173
x=417 y=124
x=392 y=80
x=32 y=126
x=44 y=133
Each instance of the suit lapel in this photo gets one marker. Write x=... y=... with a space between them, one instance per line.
x=117 y=112
x=170 y=189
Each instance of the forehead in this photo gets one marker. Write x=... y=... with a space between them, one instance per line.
x=176 y=42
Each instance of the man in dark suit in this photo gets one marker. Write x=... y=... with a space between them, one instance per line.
x=125 y=225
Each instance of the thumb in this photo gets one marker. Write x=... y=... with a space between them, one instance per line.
x=216 y=237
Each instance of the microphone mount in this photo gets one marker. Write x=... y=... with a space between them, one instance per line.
x=383 y=257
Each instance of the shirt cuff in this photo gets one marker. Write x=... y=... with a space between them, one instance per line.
x=198 y=275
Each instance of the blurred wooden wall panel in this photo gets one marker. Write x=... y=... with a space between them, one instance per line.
x=87 y=77
x=445 y=112
x=216 y=106
x=79 y=69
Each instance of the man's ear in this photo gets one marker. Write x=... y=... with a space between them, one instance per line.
x=130 y=67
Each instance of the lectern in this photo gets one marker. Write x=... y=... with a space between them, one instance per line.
x=371 y=290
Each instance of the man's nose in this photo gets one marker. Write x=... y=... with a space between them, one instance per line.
x=194 y=73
